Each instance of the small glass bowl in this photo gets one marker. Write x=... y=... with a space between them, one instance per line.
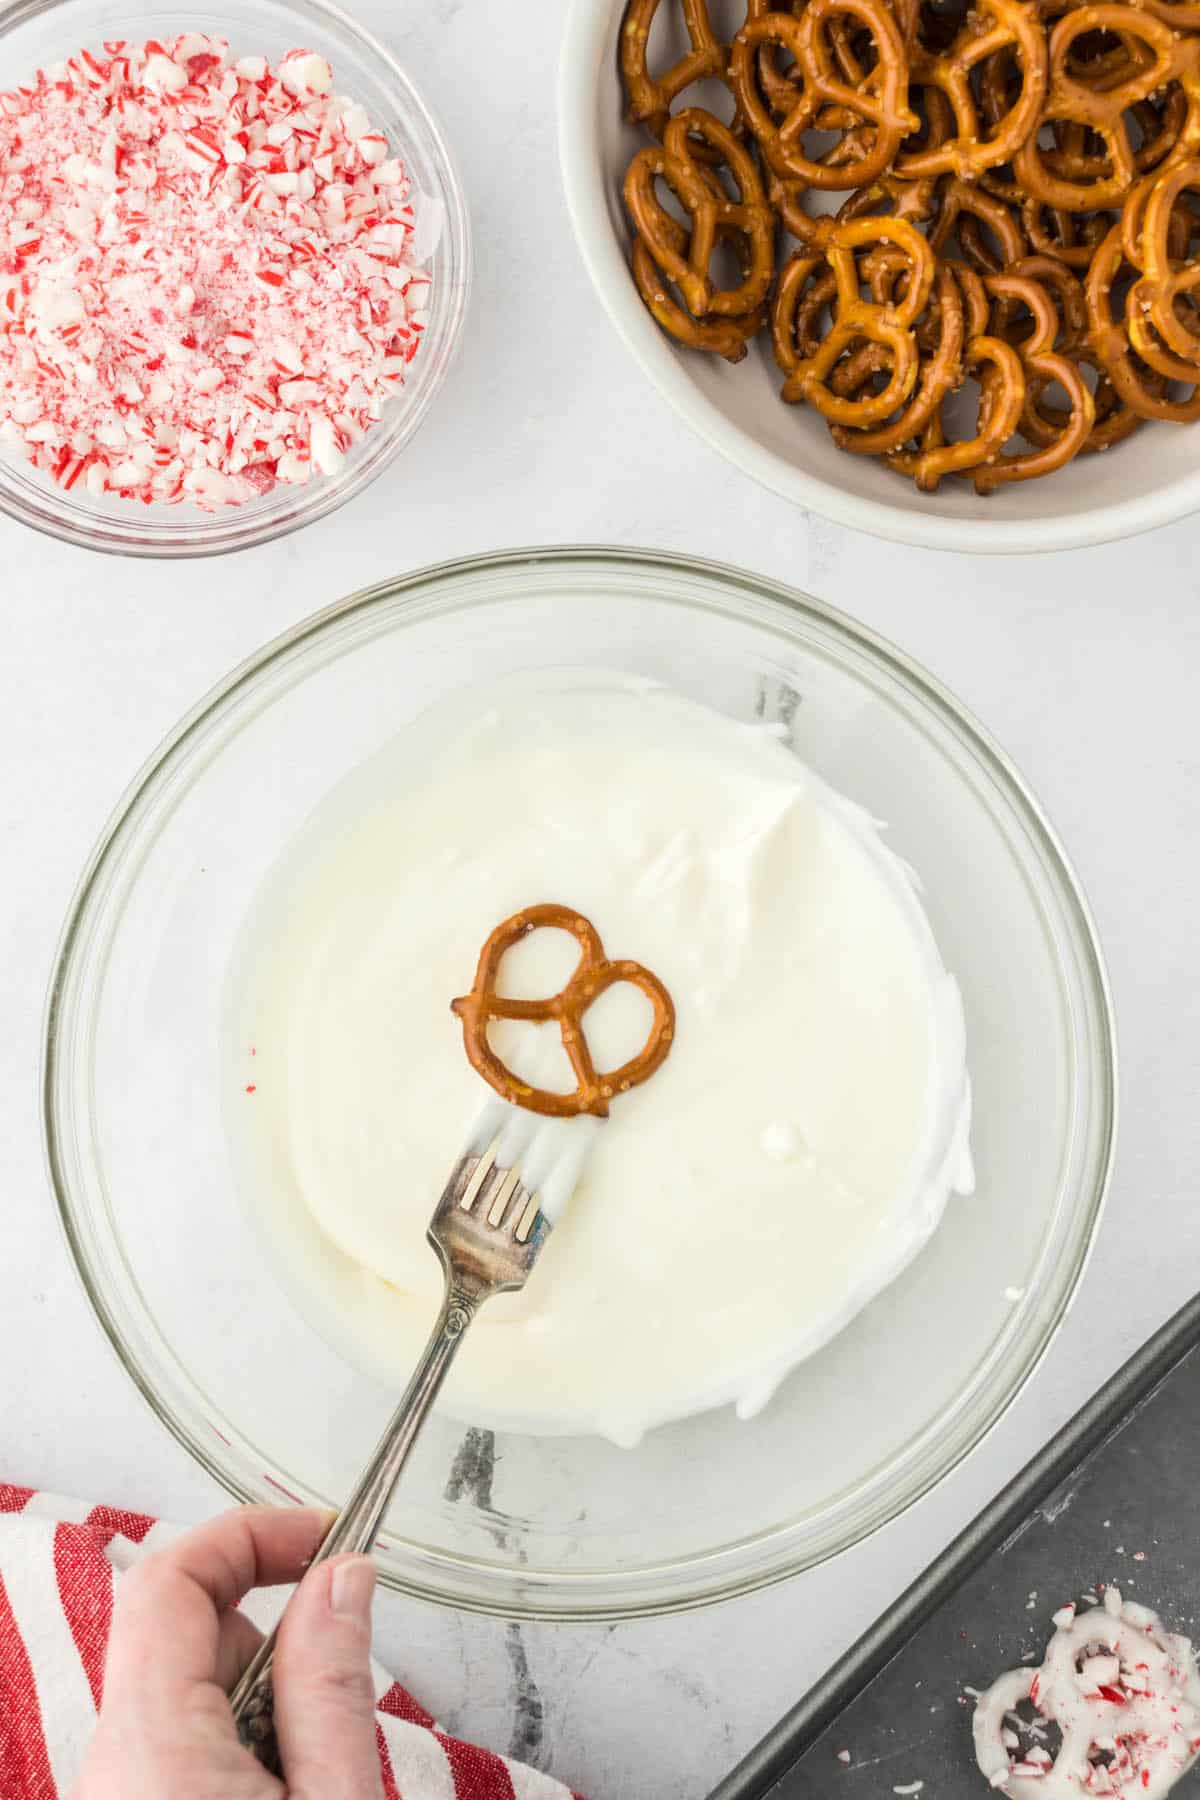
x=35 y=33
x=136 y=1091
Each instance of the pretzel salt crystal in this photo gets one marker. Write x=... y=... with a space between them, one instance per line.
x=593 y=976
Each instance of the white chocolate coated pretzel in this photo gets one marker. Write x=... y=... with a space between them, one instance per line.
x=1124 y=1692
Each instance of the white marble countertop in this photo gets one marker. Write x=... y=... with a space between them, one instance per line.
x=1084 y=665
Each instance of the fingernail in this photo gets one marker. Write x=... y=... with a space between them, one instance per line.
x=326 y=1516
x=351 y=1589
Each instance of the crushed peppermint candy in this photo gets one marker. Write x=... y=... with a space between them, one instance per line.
x=208 y=272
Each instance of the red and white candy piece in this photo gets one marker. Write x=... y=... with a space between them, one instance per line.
x=1123 y=1691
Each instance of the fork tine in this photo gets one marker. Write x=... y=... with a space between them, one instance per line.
x=484 y=1196
x=466 y=1178
x=526 y=1217
x=503 y=1196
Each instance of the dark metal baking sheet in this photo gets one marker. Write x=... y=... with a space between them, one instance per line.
x=1115 y=1497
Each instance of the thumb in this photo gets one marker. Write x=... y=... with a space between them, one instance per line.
x=324 y=1690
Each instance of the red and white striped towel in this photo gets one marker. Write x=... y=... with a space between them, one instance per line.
x=59 y=1560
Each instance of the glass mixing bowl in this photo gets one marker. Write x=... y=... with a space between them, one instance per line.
x=36 y=33
x=566 y=1527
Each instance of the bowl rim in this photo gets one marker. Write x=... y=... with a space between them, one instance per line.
x=224 y=533
x=460 y=1580
x=584 y=54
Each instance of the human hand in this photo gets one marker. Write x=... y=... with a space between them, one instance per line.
x=178 y=1644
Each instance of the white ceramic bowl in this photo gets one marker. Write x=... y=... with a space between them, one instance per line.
x=1148 y=481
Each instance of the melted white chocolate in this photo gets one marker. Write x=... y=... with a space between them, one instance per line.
x=795 y=1151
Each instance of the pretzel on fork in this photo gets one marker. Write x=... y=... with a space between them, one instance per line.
x=594 y=975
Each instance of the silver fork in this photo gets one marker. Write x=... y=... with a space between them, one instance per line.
x=488 y=1229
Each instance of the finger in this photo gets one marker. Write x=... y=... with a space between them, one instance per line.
x=165 y=1629
x=237 y=1640
x=324 y=1691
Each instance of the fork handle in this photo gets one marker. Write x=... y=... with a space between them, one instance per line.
x=253 y=1699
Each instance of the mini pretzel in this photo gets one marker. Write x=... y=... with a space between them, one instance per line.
x=857 y=321
x=593 y=976
x=1001 y=397
x=699 y=191
x=1013 y=24
x=808 y=286
x=1140 y=388
x=650 y=97
x=1165 y=279
x=780 y=86
x=1043 y=366
x=880 y=103
x=940 y=373
x=1159 y=127
x=1101 y=109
